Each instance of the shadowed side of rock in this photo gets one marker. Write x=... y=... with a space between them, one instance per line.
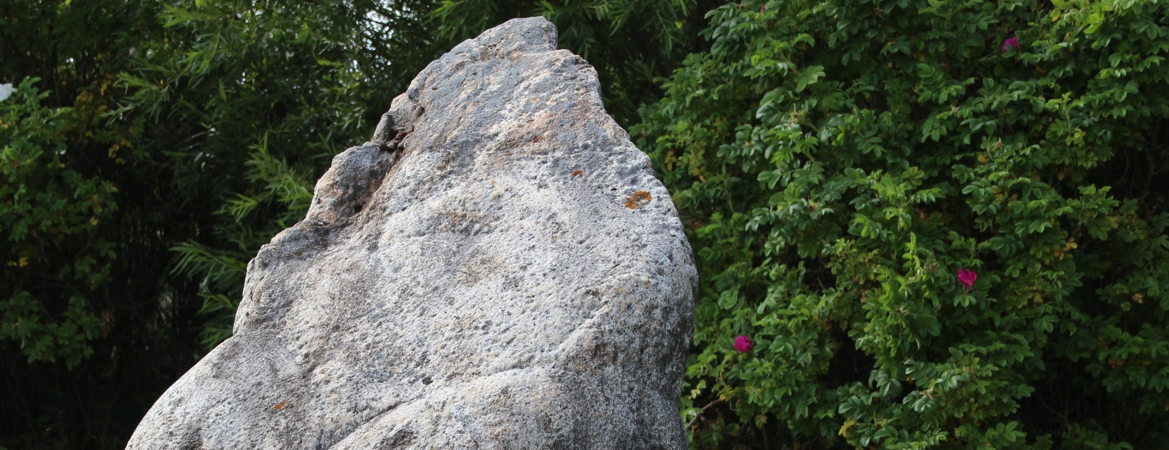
x=496 y=268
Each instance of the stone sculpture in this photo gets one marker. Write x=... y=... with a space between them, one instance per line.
x=497 y=268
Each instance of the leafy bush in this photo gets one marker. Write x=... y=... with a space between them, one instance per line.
x=838 y=164
x=94 y=330
x=49 y=214
x=189 y=109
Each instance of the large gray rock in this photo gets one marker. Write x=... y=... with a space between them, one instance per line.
x=499 y=268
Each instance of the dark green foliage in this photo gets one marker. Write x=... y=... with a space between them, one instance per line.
x=92 y=329
x=197 y=128
x=50 y=216
x=838 y=162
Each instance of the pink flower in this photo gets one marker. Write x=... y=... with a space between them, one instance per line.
x=967 y=277
x=1011 y=42
x=742 y=344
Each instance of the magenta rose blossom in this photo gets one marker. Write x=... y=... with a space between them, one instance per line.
x=742 y=344
x=1011 y=42
x=967 y=277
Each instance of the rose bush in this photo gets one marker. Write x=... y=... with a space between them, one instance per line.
x=846 y=170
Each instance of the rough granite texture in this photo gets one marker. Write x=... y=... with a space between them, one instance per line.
x=498 y=268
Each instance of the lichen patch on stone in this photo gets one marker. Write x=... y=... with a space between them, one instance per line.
x=638 y=199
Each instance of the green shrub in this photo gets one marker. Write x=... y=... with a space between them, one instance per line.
x=838 y=163
x=52 y=253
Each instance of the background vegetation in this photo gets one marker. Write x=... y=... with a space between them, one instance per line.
x=840 y=163
x=836 y=163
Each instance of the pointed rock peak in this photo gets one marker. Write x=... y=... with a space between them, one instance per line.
x=497 y=267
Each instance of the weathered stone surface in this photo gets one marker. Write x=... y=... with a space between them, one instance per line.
x=499 y=268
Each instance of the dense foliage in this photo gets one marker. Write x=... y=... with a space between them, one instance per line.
x=91 y=330
x=939 y=224
x=52 y=215
x=147 y=153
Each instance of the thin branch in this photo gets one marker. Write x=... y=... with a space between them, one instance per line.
x=704 y=408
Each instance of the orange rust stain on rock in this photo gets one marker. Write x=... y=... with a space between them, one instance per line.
x=577 y=173
x=537 y=139
x=639 y=198
x=280 y=406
